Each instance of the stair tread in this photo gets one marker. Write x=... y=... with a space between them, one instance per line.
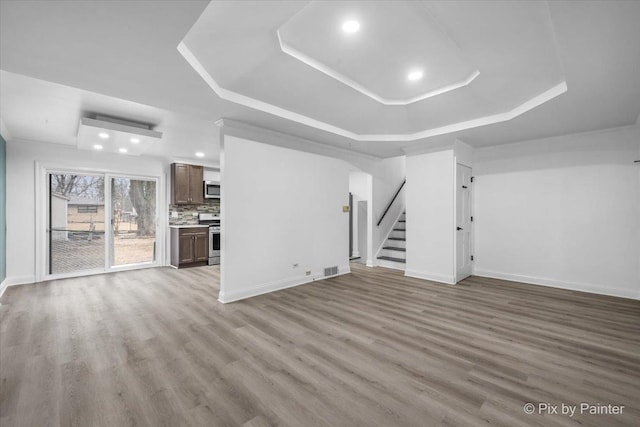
x=402 y=220
x=397 y=238
x=399 y=229
x=390 y=258
x=394 y=248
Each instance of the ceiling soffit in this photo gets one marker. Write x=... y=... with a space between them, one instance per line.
x=488 y=62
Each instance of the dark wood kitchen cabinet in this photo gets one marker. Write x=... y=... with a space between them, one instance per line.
x=189 y=246
x=187 y=184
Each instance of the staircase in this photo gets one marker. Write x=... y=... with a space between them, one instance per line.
x=393 y=253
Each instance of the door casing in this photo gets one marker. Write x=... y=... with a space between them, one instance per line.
x=41 y=206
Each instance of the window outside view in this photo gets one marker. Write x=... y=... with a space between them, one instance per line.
x=134 y=220
x=77 y=222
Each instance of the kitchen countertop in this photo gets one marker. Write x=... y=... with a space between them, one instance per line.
x=189 y=226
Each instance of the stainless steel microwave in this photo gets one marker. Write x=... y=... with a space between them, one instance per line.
x=211 y=190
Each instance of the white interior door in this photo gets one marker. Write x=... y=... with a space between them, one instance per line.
x=464 y=225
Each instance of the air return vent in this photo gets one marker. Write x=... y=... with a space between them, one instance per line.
x=331 y=271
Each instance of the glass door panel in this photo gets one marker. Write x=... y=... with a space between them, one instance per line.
x=75 y=223
x=133 y=204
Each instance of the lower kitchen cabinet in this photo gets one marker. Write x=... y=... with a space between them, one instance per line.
x=189 y=246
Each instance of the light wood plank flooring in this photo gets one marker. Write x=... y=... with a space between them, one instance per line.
x=373 y=348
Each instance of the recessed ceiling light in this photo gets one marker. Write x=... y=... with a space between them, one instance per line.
x=98 y=147
x=122 y=150
x=103 y=135
x=199 y=154
x=415 y=75
x=350 y=27
x=135 y=140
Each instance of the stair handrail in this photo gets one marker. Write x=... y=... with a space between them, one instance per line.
x=395 y=196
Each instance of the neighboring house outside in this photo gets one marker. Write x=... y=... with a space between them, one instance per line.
x=59 y=216
x=82 y=213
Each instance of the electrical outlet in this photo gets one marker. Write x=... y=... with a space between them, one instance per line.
x=174 y=214
x=194 y=213
x=307 y=273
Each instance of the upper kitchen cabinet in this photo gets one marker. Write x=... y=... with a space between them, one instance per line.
x=186 y=184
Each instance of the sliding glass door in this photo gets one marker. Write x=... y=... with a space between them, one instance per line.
x=97 y=222
x=133 y=203
x=76 y=223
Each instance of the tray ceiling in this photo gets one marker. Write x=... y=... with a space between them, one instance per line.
x=482 y=63
x=120 y=59
x=389 y=41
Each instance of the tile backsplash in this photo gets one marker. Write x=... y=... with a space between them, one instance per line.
x=185 y=212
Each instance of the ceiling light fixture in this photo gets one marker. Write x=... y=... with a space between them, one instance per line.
x=199 y=154
x=122 y=150
x=112 y=133
x=350 y=27
x=415 y=75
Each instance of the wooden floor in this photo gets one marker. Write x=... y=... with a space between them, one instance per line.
x=373 y=348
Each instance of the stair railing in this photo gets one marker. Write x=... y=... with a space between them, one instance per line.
x=395 y=196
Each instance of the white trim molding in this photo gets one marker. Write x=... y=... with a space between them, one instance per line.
x=363 y=90
x=17 y=280
x=266 y=107
x=276 y=138
x=432 y=277
x=227 y=297
x=41 y=171
x=561 y=284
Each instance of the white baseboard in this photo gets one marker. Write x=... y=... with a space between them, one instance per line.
x=19 y=280
x=14 y=281
x=561 y=284
x=370 y=263
x=434 y=277
x=232 y=296
x=390 y=264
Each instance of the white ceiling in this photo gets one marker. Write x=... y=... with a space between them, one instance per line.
x=393 y=39
x=37 y=110
x=516 y=67
x=63 y=58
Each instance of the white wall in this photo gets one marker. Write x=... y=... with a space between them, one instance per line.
x=463 y=153
x=21 y=187
x=209 y=174
x=430 y=216
x=364 y=233
x=562 y=211
x=279 y=207
x=361 y=186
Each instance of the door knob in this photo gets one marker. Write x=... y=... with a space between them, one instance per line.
x=459 y=228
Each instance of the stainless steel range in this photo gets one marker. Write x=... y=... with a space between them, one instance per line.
x=213 y=221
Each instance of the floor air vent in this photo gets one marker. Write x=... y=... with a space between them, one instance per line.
x=331 y=271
